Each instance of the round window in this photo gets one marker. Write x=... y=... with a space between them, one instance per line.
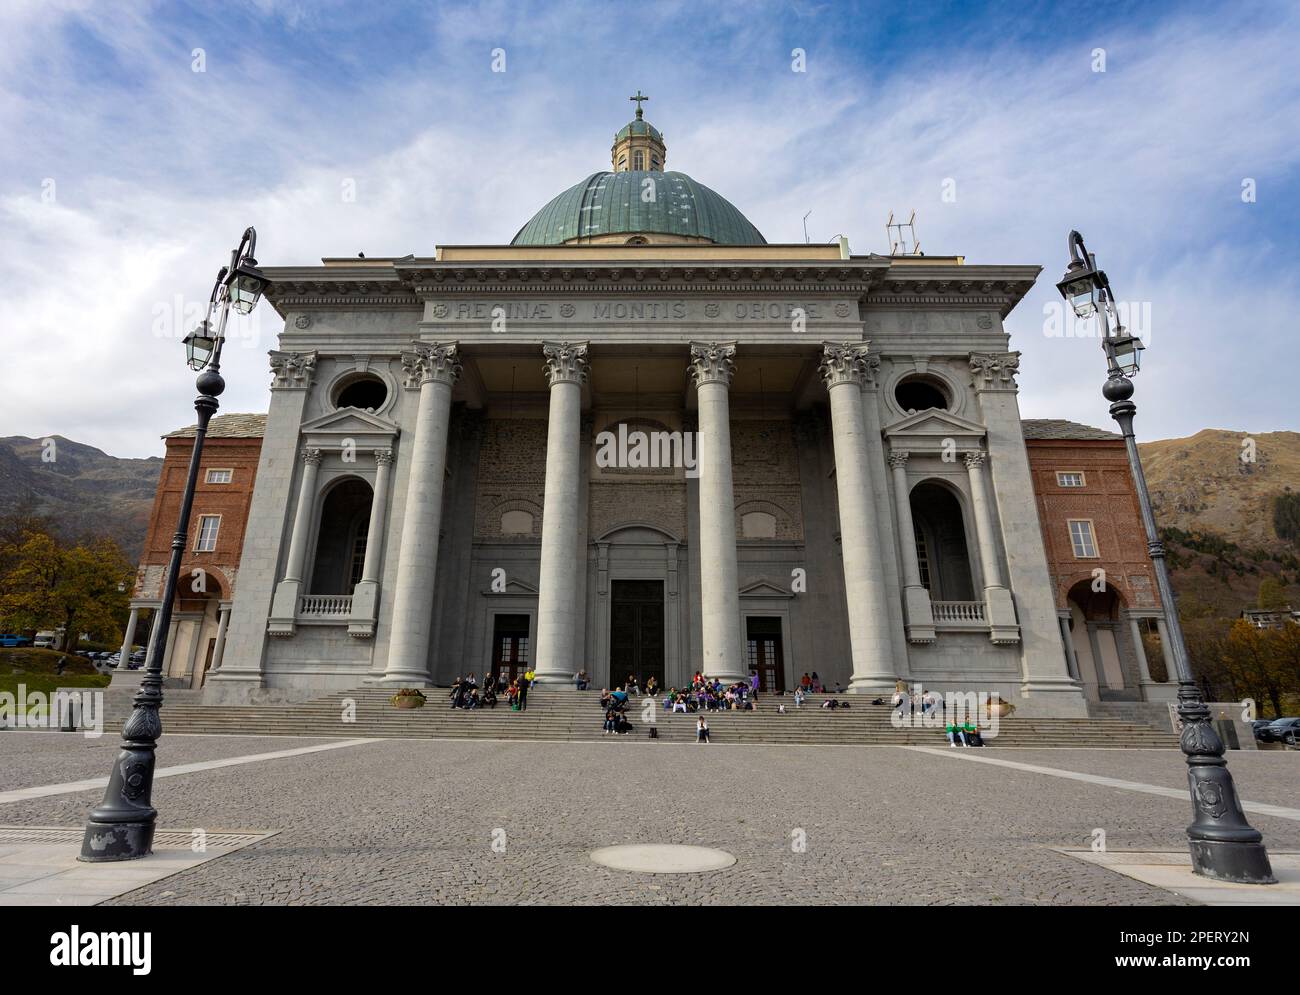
x=918 y=393
x=365 y=391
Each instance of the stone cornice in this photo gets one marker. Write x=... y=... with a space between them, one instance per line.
x=878 y=279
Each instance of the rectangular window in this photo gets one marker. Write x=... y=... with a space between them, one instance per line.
x=1085 y=546
x=1070 y=478
x=220 y=476
x=206 y=541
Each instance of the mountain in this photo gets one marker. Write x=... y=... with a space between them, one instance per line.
x=83 y=490
x=1218 y=512
x=1202 y=483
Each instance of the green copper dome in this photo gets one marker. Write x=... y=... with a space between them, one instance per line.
x=639 y=126
x=612 y=204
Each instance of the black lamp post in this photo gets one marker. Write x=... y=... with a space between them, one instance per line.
x=121 y=827
x=1223 y=844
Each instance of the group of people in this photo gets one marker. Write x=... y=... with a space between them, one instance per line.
x=614 y=704
x=466 y=693
x=705 y=694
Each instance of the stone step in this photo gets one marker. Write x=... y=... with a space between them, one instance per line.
x=565 y=714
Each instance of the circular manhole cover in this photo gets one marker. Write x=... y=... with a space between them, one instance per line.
x=662 y=858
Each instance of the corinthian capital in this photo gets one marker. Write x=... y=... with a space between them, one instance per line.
x=847 y=362
x=898 y=459
x=430 y=361
x=292 y=369
x=994 y=370
x=566 y=362
x=713 y=362
x=310 y=456
x=974 y=460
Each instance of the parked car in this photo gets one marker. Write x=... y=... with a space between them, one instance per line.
x=13 y=639
x=1259 y=724
x=1286 y=730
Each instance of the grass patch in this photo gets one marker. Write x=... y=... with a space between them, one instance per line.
x=29 y=660
x=37 y=670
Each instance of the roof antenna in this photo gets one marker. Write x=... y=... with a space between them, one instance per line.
x=902 y=236
x=805 y=228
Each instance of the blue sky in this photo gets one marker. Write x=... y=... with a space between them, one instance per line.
x=126 y=176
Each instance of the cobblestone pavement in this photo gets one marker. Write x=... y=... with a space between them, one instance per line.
x=28 y=759
x=413 y=822
x=1268 y=776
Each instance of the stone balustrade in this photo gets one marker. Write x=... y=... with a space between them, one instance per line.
x=958 y=611
x=325 y=606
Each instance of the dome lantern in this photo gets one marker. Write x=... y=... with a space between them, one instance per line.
x=639 y=147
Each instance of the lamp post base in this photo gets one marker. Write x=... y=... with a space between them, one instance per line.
x=108 y=841
x=1240 y=863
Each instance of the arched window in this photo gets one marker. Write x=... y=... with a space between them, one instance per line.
x=341 y=541
x=638 y=160
x=941 y=547
x=517 y=523
x=758 y=525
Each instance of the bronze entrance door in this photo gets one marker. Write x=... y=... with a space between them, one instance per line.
x=763 y=652
x=636 y=631
x=510 y=646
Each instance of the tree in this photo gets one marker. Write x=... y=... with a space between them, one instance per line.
x=80 y=587
x=1272 y=595
x=1251 y=654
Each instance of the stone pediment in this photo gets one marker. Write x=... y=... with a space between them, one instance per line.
x=365 y=429
x=515 y=587
x=764 y=588
x=929 y=430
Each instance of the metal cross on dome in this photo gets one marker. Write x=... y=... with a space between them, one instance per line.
x=638 y=98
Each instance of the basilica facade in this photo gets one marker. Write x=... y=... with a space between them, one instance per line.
x=639 y=439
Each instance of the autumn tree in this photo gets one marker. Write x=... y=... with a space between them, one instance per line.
x=81 y=587
x=1251 y=654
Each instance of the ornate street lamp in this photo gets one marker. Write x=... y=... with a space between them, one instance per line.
x=1223 y=844
x=121 y=827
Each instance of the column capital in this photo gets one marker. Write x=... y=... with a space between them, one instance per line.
x=994 y=370
x=383 y=457
x=847 y=362
x=310 y=456
x=713 y=362
x=425 y=362
x=975 y=459
x=566 y=362
x=898 y=459
x=292 y=370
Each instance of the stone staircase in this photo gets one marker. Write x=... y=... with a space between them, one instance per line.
x=562 y=714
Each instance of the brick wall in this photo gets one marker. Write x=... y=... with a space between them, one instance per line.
x=230 y=501
x=1109 y=501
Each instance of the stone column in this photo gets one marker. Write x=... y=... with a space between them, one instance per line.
x=1067 y=641
x=266 y=531
x=1144 y=668
x=1046 y=685
x=842 y=368
x=712 y=367
x=1168 y=691
x=1000 y=612
x=365 y=597
x=124 y=657
x=882 y=484
x=920 y=616
x=558 y=640
x=284 y=609
x=431 y=369
x=219 y=650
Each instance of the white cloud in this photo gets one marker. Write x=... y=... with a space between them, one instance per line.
x=156 y=179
